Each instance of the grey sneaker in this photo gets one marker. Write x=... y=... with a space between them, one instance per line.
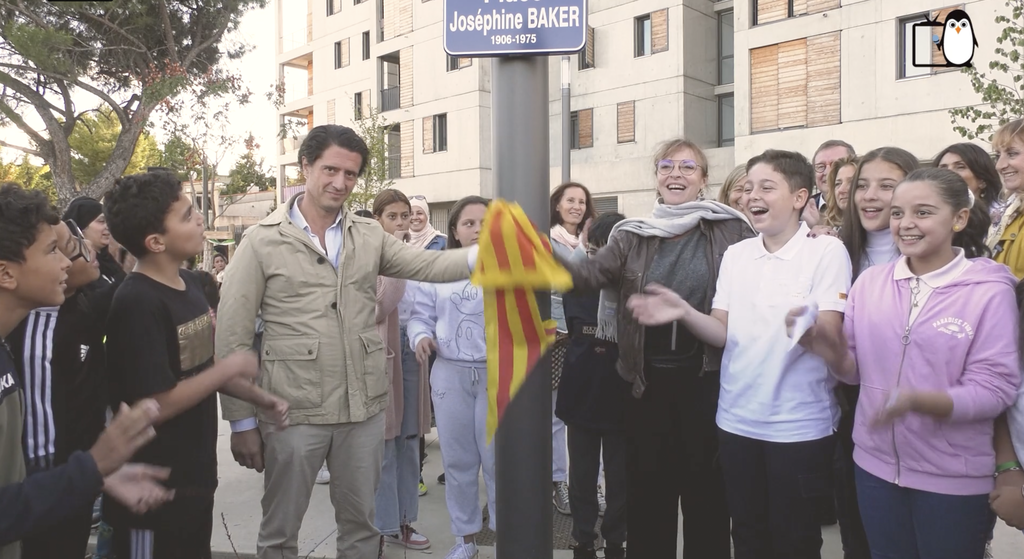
x=463 y=551
x=560 y=497
x=601 y=502
x=323 y=477
x=988 y=550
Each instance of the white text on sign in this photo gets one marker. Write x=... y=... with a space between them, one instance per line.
x=536 y=18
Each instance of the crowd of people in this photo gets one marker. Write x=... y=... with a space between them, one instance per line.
x=834 y=336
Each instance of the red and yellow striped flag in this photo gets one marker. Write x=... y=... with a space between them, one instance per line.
x=514 y=262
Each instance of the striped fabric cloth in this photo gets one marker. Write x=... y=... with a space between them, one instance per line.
x=514 y=262
x=37 y=379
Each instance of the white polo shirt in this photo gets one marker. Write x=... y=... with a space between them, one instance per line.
x=770 y=392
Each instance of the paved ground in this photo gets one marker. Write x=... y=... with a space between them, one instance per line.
x=238 y=504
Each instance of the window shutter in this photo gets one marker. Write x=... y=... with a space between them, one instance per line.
x=330 y=111
x=365 y=104
x=823 y=82
x=345 y=52
x=405 y=78
x=465 y=63
x=309 y=78
x=588 y=51
x=772 y=10
x=764 y=88
x=586 y=117
x=606 y=204
x=815 y=6
x=404 y=17
x=439 y=216
x=428 y=134
x=408 y=140
x=792 y=68
x=659 y=31
x=799 y=7
x=626 y=119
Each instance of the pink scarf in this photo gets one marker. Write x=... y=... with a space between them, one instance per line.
x=561 y=235
x=423 y=238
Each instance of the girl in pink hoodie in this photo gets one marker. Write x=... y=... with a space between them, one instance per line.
x=932 y=340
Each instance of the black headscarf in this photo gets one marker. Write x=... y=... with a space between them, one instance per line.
x=84 y=210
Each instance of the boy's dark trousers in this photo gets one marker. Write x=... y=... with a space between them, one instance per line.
x=585 y=449
x=184 y=530
x=855 y=541
x=775 y=492
x=671 y=462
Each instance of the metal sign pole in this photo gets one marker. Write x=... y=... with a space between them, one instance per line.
x=519 y=112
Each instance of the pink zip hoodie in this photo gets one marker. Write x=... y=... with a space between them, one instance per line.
x=964 y=342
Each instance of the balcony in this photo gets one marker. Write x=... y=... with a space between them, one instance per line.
x=394 y=170
x=390 y=98
x=290 y=144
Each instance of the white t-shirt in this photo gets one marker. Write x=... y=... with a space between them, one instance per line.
x=770 y=392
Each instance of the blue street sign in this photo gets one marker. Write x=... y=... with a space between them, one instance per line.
x=495 y=27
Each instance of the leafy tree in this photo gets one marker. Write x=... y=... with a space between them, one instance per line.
x=1002 y=98
x=373 y=129
x=135 y=56
x=249 y=172
x=28 y=175
x=176 y=154
x=93 y=140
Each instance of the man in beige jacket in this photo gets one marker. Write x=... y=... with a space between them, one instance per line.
x=311 y=267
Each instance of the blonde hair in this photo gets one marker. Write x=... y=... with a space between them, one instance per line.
x=735 y=176
x=833 y=216
x=668 y=148
x=1007 y=133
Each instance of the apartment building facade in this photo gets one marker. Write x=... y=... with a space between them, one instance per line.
x=735 y=76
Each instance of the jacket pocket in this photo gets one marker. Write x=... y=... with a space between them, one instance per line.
x=374 y=359
x=876 y=441
x=293 y=371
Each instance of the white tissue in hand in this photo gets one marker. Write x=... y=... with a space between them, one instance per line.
x=804 y=322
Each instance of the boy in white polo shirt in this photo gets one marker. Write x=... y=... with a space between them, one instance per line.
x=776 y=410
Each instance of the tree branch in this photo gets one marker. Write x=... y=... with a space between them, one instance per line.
x=165 y=20
x=117 y=29
x=69 y=107
x=214 y=38
x=22 y=149
x=118 y=110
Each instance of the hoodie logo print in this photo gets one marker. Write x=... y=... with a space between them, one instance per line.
x=954 y=327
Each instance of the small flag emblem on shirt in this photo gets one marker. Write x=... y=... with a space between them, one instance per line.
x=842 y=296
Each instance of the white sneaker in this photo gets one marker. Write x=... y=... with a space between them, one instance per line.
x=323 y=477
x=463 y=551
x=560 y=497
x=988 y=550
x=409 y=538
x=601 y=502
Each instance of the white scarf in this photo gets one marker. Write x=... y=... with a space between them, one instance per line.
x=562 y=235
x=667 y=222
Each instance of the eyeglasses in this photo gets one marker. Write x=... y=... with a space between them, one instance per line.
x=79 y=237
x=687 y=167
x=418 y=197
x=822 y=167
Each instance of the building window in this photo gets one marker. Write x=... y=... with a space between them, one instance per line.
x=337 y=55
x=357 y=2
x=456 y=63
x=586 y=56
x=441 y=132
x=915 y=43
x=357 y=102
x=726 y=120
x=642 y=38
x=725 y=48
x=366 y=45
x=333 y=7
x=625 y=122
x=582 y=123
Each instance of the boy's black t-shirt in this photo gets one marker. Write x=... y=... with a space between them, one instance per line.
x=158 y=336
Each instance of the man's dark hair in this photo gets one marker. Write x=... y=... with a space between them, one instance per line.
x=835 y=144
x=137 y=206
x=22 y=211
x=327 y=135
x=793 y=166
x=365 y=213
x=602 y=228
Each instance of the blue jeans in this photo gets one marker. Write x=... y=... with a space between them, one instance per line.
x=397 y=499
x=904 y=523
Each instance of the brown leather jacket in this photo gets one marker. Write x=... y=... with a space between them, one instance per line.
x=624 y=262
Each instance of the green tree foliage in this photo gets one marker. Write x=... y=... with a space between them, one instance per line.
x=177 y=154
x=373 y=129
x=135 y=56
x=28 y=175
x=93 y=141
x=1002 y=98
x=248 y=171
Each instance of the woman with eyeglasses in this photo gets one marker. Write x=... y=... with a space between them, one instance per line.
x=671 y=437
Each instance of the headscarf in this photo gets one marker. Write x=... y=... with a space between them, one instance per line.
x=83 y=211
x=423 y=238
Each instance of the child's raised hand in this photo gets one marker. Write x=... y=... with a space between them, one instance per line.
x=658 y=305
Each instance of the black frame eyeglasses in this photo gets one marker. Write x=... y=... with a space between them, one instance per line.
x=76 y=233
